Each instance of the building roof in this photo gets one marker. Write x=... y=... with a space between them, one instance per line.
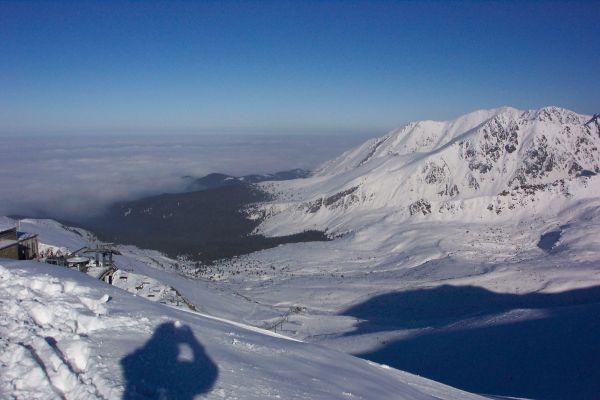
x=26 y=235
x=7 y=243
x=4 y=229
x=22 y=237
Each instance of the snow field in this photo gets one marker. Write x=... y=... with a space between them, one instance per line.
x=75 y=347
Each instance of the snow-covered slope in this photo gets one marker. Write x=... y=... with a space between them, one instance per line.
x=487 y=165
x=151 y=274
x=467 y=251
x=65 y=335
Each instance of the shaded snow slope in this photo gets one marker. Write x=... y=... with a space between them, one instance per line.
x=487 y=165
x=475 y=305
x=65 y=335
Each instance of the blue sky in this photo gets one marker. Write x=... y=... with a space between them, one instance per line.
x=287 y=67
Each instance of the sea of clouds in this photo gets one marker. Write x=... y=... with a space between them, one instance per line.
x=74 y=176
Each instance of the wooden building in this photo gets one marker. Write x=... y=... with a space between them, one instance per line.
x=18 y=245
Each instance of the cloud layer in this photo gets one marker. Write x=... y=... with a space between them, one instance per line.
x=75 y=176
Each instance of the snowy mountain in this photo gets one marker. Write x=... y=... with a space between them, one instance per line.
x=467 y=252
x=489 y=164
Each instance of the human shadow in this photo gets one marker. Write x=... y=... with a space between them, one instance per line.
x=552 y=354
x=171 y=365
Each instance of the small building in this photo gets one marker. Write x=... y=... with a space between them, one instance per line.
x=9 y=249
x=18 y=245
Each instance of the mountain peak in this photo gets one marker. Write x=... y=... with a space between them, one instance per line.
x=484 y=164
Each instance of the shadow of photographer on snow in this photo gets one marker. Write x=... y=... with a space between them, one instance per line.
x=171 y=365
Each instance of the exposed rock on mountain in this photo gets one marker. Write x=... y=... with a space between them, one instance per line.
x=481 y=165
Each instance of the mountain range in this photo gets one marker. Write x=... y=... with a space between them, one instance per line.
x=488 y=165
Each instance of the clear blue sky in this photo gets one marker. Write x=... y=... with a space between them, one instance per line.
x=288 y=66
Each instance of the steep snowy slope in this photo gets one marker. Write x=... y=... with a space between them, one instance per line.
x=64 y=335
x=487 y=165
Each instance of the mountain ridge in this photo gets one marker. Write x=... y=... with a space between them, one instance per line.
x=484 y=163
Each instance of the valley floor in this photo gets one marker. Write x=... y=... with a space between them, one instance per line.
x=476 y=306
